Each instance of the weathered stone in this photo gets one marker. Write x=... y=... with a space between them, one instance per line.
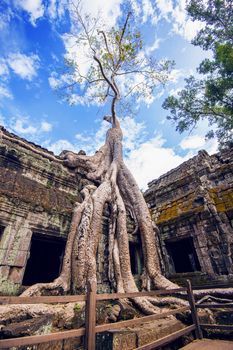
x=37 y=196
x=193 y=205
x=16 y=275
x=155 y=330
x=114 y=313
x=124 y=340
x=27 y=327
x=72 y=344
x=53 y=345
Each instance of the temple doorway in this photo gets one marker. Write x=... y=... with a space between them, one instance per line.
x=45 y=261
x=136 y=259
x=183 y=255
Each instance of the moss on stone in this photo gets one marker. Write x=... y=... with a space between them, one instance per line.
x=77 y=307
x=174 y=209
x=222 y=198
x=9 y=287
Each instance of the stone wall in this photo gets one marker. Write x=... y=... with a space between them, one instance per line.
x=193 y=207
x=37 y=194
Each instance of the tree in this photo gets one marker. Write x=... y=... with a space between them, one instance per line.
x=212 y=96
x=115 y=54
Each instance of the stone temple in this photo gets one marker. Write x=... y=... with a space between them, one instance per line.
x=192 y=206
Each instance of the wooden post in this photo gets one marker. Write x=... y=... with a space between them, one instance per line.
x=194 y=314
x=90 y=317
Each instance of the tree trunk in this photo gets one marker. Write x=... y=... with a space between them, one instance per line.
x=117 y=187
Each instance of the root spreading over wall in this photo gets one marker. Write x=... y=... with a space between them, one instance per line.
x=115 y=185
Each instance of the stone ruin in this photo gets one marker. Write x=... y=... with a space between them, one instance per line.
x=192 y=205
x=193 y=208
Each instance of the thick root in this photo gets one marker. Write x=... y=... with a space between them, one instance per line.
x=168 y=301
x=62 y=313
x=62 y=284
x=130 y=192
x=118 y=188
x=220 y=295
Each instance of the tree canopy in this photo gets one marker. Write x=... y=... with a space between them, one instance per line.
x=119 y=70
x=210 y=96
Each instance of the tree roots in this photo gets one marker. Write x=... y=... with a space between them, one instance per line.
x=116 y=187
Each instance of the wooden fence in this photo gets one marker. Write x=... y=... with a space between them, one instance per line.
x=91 y=329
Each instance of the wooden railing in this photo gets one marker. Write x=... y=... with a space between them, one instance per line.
x=91 y=329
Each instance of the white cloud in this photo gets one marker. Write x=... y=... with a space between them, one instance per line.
x=2 y=120
x=154 y=46
x=61 y=145
x=211 y=146
x=192 y=142
x=198 y=142
x=148 y=11
x=5 y=17
x=21 y=126
x=165 y=7
x=151 y=159
x=201 y=129
x=5 y=92
x=56 y=10
x=4 y=71
x=45 y=126
x=52 y=9
x=108 y=10
x=53 y=82
x=133 y=133
x=82 y=138
x=26 y=127
x=24 y=65
x=79 y=52
x=182 y=24
x=35 y=8
x=176 y=14
x=175 y=75
x=174 y=92
x=186 y=28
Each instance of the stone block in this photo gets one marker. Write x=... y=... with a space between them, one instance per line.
x=72 y=344
x=16 y=274
x=4 y=272
x=21 y=258
x=26 y=240
x=53 y=345
x=152 y=331
x=3 y=253
x=124 y=341
x=26 y=327
x=116 y=340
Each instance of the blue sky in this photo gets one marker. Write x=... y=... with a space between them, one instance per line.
x=33 y=43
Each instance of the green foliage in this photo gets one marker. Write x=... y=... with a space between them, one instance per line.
x=217 y=17
x=77 y=307
x=120 y=72
x=212 y=96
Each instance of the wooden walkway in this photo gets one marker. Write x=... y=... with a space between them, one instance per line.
x=91 y=328
x=207 y=344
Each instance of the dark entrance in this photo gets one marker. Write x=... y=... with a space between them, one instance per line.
x=136 y=260
x=183 y=255
x=44 y=263
x=2 y=228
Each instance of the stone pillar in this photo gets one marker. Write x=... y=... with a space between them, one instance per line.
x=14 y=251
